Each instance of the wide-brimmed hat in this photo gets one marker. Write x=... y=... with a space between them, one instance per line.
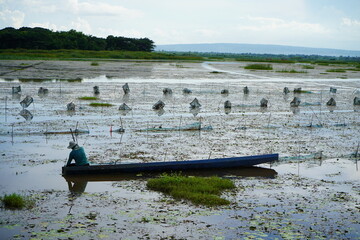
x=71 y=144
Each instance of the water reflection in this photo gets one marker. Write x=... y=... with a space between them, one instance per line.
x=160 y=112
x=295 y=110
x=77 y=183
x=16 y=96
x=194 y=111
x=26 y=114
x=77 y=186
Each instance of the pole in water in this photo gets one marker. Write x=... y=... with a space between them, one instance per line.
x=357 y=150
x=72 y=134
x=12 y=133
x=5 y=108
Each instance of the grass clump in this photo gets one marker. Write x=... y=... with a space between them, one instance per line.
x=199 y=190
x=16 y=201
x=336 y=70
x=87 y=98
x=308 y=67
x=100 y=104
x=291 y=71
x=258 y=66
x=94 y=64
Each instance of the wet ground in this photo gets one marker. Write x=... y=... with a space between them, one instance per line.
x=299 y=197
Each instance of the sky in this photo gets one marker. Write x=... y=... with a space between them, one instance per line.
x=306 y=23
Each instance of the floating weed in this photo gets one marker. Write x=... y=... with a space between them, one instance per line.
x=257 y=66
x=87 y=98
x=100 y=104
x=336 y=70
x=204 y=191
x=291 y=71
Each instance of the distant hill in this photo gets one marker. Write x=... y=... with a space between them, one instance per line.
x=255 y=48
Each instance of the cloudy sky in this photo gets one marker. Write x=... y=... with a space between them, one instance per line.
x=309 y=23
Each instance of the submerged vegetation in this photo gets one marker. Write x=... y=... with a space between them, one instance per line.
x=16 y=201
x=100 y=104
x=259 y=66
x=336 y=70
x=198 y=190
x=291 y=71
x=87 y=98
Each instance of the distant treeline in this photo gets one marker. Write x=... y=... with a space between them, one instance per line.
x=41 y=38
x=281 y=58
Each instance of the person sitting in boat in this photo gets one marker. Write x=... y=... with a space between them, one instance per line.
x=77 y=154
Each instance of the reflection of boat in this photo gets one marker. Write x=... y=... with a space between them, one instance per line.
x=237 y=172
x=189 y=127
x=76 y=131
x=171 y=166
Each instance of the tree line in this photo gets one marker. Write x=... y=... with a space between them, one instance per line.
x=41 y=38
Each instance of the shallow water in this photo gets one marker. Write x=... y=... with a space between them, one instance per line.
x=31 y=161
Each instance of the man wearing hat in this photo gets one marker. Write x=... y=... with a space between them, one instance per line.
x=78 y=154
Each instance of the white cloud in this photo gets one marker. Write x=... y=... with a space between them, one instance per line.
x=12 y=18
x=40 y=6
x=104 y=32
x=47 y=25
x=81 y=25
x=207 y=32
x=350 y=22
x=277 y=24
x=101 y=9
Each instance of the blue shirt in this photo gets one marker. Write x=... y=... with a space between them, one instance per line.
x=79 y=156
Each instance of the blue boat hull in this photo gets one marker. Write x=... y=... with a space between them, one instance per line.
x=171 y=166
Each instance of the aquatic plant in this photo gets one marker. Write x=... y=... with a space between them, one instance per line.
x=257 y=66
x=100 y=104
x=308 y=67
x=16 y=201
x=336 y=70
x=198 y=190
x=87 y=98
x=291 y=71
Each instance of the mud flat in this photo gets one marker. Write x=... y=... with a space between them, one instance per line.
x=299 y=197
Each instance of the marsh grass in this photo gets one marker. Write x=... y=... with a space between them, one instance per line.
x=88 y=55
x=16 y=201
x=308 y=67
x=100 y=104
x=87 y=98
x=199 y=190
x=258 y=66
x=336 y=70
x=291 y=71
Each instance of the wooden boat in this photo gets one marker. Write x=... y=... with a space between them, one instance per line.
x=246 y=161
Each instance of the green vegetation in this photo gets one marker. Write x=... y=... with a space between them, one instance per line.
x=336 y=70
x=16 y=201
x=65 y=54
x=198 y=190
x=291 y=71
x=259 y=66
x=308 y=67
x=41 y=38
x=94 y=64
x=100 y=104
x=87 y=98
